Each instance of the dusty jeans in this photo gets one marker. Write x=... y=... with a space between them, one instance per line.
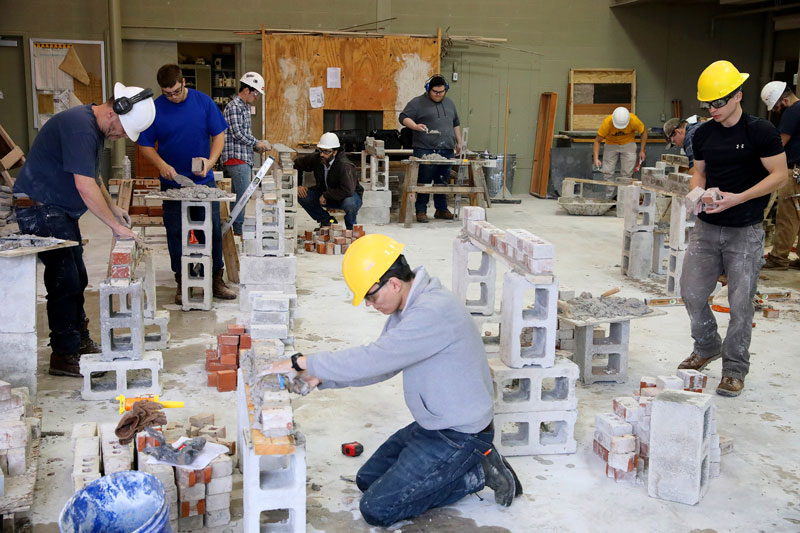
x=787 y=223
x=737 y=252
x=625 y=153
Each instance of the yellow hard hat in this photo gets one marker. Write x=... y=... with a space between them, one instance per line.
x=366 y=260
x=719 y=79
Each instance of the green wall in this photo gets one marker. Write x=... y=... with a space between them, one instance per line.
x=667 y=43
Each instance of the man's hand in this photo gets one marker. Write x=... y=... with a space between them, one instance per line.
x=167 y=172
x=322 y=200
x=422 y=127
x=642 y=156
x=597 y=162
x=206 y=167
x=262 y=147
x=121 y=215
x=302 y=191
x=729 y=199
x=121 y=232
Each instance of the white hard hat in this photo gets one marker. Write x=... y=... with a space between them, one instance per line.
x=621 y=117
x=328 y=141
x=772 y=92
x=254 y=80
x=140 y=116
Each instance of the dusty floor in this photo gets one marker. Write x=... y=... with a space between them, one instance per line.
x=759 y=489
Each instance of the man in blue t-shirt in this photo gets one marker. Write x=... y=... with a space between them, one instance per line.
x=57 y=184
x=185 y=121
x=743 y=157
x=780 y=99
x=680 y=132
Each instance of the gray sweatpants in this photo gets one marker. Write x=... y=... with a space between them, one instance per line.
x=737 y=252
x=625 y=153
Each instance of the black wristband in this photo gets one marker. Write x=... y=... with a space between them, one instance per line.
x=294 y=362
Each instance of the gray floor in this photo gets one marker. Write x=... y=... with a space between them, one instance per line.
x=759 y=489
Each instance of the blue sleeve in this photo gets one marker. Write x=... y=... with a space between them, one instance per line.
x=79 y=154
x=215 y=121
x=148 y=136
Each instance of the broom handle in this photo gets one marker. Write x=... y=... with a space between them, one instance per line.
x=505 y=143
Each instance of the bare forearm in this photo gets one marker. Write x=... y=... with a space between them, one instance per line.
x=94 y=199
x=457 y=131
x=217 y=143
x=643 y=141
x=596 y=149
x=768 y=185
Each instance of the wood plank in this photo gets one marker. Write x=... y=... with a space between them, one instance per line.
x=597 y=109
x=28 y=250
x=540 y=171
x=603 y=75
x=445 y=189
x=11 y=158
x=229 y=252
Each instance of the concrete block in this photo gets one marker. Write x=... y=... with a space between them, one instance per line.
x=470 y=212
x=611 y=425
x=81 y=430
x=680 y=435
x=18 y=356
x=376 y=199
x=534 y=389
x=626 y=408
x=660 y=254
x=18 y=285
x=121 y=332
x=156 y=340
x=17 y=464
x=218 y=502
x=680 y=224
x=640 y=210
x=13 y=434
x=374 y=215
x=191 y=493
x=128 y=385
x=674 y=271
x=191 y=523
x=201 y=227
x=221 y=466
x=528 y=332
x=637 y=254
x=603 y=358
x=483 y=278
x=669 y=383
x=535 y=433
x=196 y=274
x=217 y=518
x=148 y=274
x=275 y=331
x=219 y=485
x=268 y=270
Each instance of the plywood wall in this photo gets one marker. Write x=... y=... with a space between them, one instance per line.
x=377 y=74
x=585 y=111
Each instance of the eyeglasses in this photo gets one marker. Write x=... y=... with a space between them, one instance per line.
x=326 y=152
x=719 y=103
x=370 y=296
x=173 y=94
x=434 y=91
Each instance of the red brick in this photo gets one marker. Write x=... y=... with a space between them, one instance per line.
x=121 y=257
x=120 y=271
x=358 y=227
x=321 y=248
x=309 y=236
x=227 y=381
x=601 y=452
x=185 y=509
x=309 y=246
x=212 y=379
x=232 y=340
x=155 y=211
x=235 y=329
x=215 y=366
x=245 y=342
x=329 y=247
x=227 y=350
x=771 y=313
x=205 y=474
x=229 y=358
x=201 y=507
x=137 y=210
x=211 y=355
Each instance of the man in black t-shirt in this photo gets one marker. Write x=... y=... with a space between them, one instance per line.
x=743 y=157
x=780 y=99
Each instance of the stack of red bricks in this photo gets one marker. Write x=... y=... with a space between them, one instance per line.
x=223 y=361
x=124 y=257
x=332 y=240
x=622 y=438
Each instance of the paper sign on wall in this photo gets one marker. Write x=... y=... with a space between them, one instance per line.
x=316 y=97
x=334 y=78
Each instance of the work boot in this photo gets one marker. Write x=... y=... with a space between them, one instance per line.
x=729 y=386
x=65 y=365
x=219 y=288
x=178 y=293
x=500 y=477
x=87 y=344
x=794 y=263
x=422 y=217
x=697 y=362
x=444 y=215
x=772 y=264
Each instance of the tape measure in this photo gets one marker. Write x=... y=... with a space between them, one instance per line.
x=353 y=449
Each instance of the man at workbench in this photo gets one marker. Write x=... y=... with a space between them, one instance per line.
x=237 y=154
x=743 y=157
x=185 y=121
x=57 y=184
x=336 y=185
x=619 y=130
x=437 y=130
x=447 y=452
x=780 y=99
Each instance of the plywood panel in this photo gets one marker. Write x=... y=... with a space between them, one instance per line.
x=378 y=74
x=597 y=109
x=594 y=93
x=603 y=75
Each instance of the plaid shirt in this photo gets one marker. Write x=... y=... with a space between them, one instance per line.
x=239 y=140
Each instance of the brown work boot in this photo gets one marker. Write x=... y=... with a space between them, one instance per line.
x=178 y=293
x=87 y=344
x=772 y=264
x=65 y=365
x=422 y=217
x=444 y=215
x=697 y=362
x=729 y=386
x=219 y=288
x=794 y=263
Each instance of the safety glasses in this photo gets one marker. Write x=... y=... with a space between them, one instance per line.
x=719 y=103
x=370 y=296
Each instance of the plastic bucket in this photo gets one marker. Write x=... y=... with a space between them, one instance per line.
x=494 y=176
x=125 y=502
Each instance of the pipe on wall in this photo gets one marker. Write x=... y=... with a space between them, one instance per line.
x=115 y=44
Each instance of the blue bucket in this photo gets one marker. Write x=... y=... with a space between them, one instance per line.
x=125 y=502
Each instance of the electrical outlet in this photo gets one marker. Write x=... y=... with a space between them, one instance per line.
x=455 y=76
x=663 y=117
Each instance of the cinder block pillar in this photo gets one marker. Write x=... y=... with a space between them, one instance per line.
x=603 y=358
x=484 y=276
x=528 y=334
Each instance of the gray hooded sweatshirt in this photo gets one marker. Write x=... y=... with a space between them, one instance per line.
x=435 y=343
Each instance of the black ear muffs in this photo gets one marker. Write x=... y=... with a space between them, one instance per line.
x=428 y=83
x=124 y=104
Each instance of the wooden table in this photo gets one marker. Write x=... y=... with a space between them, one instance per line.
x=410 y=188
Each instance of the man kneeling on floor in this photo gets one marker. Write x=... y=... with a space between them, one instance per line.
x=447 y=452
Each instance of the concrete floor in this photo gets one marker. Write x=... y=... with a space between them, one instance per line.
x=759 y=489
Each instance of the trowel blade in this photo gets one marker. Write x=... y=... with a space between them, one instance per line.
x=183 y=181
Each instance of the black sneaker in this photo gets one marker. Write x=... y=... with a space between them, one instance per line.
x=500 y=477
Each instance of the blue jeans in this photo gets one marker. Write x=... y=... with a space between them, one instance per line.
x=436 y=174
x=417 y=469
x=172 y=223
x=350 y=206
x=64 y=274
x=240 y=179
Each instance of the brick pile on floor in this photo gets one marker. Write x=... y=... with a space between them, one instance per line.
x=18 y=432
x=332 y=240
x=222 y=362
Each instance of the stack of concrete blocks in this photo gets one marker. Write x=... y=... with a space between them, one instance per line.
x=272 y=315
x=682 y=221
x=637 y=242
x=264 y=234
x=158 y=339
x=270 y=274
x=603 y=355
x=86 y=454
x=565 y=335
x=18 y=340
x=196 y=267
x=273 y=480
x=377 y=200
x=283 y=184
x=122 y=332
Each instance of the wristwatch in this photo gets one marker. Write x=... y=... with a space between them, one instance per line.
x=294 y=362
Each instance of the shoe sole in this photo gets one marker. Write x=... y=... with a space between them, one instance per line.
x=64 y=373
x=728 y=393
x=701 y=368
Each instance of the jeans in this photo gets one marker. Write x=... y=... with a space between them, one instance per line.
x=240 y=179
x=174 y=227
x=627 y=156
x=738 y=252
x=64 y=274
x=436 y=174
x=787 y=223
x=350 y=206
x=417 y=469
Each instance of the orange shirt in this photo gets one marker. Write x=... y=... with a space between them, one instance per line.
x=614 y=135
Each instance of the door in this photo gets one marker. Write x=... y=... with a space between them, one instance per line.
x=13 y=106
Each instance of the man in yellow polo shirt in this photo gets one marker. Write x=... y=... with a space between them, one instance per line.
x=619 y=131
